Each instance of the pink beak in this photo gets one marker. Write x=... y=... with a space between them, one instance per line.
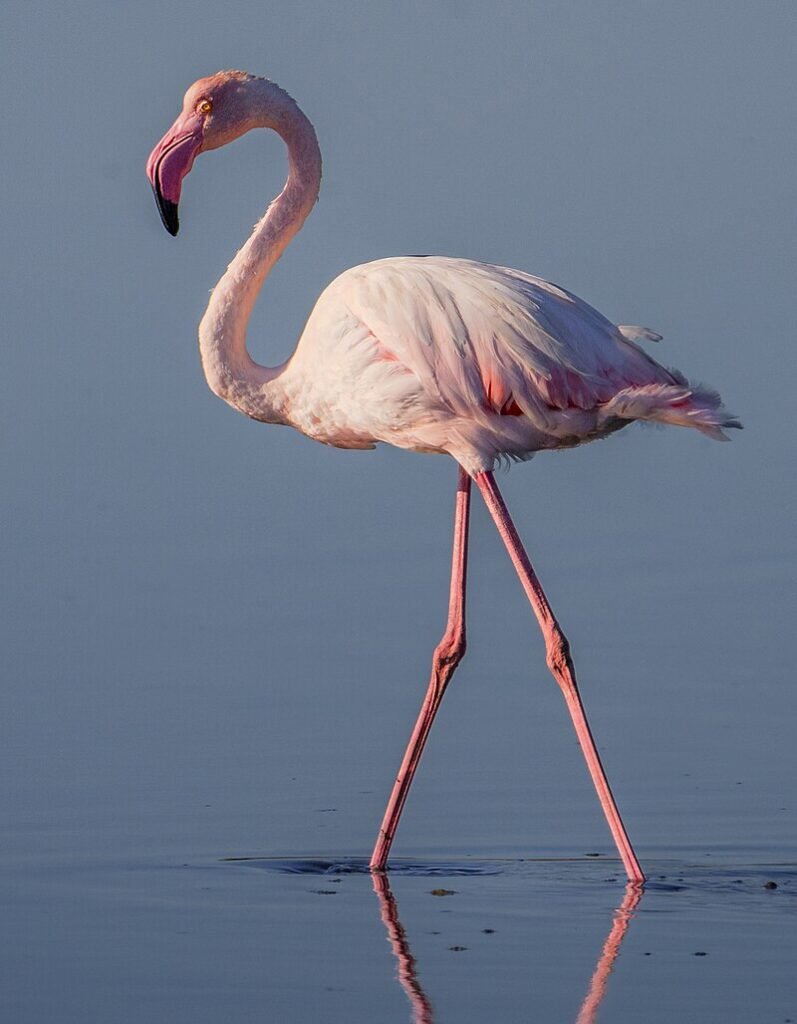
x=170 y=161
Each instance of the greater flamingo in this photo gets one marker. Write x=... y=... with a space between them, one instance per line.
x=433 y=354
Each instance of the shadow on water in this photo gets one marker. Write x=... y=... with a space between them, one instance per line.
x=406 y=964
x=359 y=866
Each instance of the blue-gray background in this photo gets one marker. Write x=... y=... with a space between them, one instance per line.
x=198 y=609
x=212 y=629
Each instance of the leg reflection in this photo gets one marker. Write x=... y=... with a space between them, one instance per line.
x=611 y=947
x=421 y=1007
x=419 y=1001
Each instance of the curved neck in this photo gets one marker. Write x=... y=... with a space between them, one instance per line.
x=230 y=371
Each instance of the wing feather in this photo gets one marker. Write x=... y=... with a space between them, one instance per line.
x=482 y=337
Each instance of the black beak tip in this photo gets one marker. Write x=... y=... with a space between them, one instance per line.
x=168 y=211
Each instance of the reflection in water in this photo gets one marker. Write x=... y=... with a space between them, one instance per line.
x=611 y=947
x=408 y=977
x=421 y=1007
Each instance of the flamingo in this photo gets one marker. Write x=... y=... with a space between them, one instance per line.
x=432 y=354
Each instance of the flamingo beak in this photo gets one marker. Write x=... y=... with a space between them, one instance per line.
x=170 y=161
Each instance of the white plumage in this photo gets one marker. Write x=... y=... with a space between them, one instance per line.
x=482 y=362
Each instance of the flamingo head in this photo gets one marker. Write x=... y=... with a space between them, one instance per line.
x=215 y=111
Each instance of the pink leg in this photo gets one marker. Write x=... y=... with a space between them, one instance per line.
x=448 y=654
x=561 y=665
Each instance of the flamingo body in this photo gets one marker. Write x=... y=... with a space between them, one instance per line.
x=481 y=362
x=432 y=354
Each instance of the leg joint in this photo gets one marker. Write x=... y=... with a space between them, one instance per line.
x=451 y=650
x=558 y=654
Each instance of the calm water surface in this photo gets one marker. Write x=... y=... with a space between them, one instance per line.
x=291 y=939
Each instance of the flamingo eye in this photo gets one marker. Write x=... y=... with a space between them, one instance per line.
x=204 y=107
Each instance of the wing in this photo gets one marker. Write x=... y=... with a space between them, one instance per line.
x=484 y=337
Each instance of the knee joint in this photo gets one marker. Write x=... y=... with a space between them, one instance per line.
x=558 y=655
x=451 y=650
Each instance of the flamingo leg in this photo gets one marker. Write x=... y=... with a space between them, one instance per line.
x=447 y=655
x=561 y=665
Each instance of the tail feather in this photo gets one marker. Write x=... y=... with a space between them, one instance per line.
x=687 y=406
x=632 y=332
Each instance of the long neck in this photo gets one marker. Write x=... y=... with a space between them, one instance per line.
x=229 y=369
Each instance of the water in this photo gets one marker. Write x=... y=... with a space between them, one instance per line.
x=297 y=940
x=215 y=636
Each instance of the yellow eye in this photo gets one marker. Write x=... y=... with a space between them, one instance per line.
x=204 y=107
